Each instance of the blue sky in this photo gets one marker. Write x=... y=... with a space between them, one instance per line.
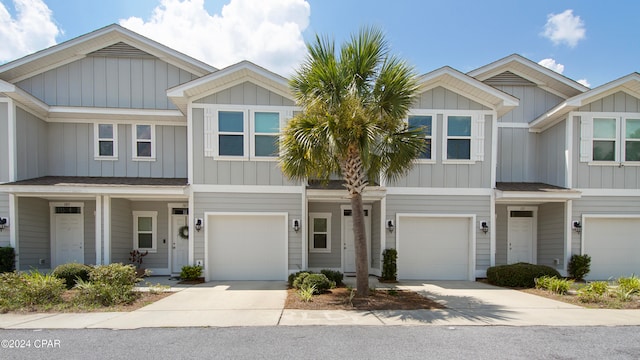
x=591 y=41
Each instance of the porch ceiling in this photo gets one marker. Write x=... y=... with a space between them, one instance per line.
x=533 y=192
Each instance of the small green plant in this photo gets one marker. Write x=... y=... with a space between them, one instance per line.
x=306 y=293
x=579 y=266
x=71 y=272
x=333 y=275
x=190 y=273
x=629 y=284
x=292 y=277
x=20 y=290
x=389 y=265
x=157 y=288
x=108 y=285
x=593 y=292
x=519 y=275
x=553 y=284
x=350 y=296
x=299 y=279
x=392 y=292
x=135 y=257
x=318 y=282
x=7 y=259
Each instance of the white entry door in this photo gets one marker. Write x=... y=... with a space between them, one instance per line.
x=349 y=253
x=67 y=234
x=521 y=235
x=179 y=245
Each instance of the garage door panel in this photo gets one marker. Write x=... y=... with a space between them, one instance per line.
x=433 y=248
x=614 y=245
x=247 y=247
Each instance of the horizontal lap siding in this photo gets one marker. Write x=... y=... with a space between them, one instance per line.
x=34 y=240
x=108 y=82
x=4 y=212
x=160 y=258
x=422 y=204
x=71 y=153
x=334 y=258
x=614 y=205
x=121 y=230
x=31 y=145
x=551 y=234
x=239 y=202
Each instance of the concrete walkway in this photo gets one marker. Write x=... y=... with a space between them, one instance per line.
x=261 y=303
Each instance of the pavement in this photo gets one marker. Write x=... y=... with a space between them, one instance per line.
x=261 y=303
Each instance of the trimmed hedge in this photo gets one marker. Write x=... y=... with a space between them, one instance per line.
x=519 y=275
x=318 y=282
x=333 y=275
x=7 y=259
x=292 y=278
x=71 y=272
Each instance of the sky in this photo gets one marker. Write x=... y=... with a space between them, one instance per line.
x=590 y=41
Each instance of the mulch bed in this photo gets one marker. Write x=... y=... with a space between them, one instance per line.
x=338 y=299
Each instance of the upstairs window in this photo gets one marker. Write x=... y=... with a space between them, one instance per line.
x=604 y=139
x=609 y=139
x=632 y=140
x=458 y=141
x=143 y=142
x=425 y=123
x=266 y=132
x=106 y=141
x=231 y=133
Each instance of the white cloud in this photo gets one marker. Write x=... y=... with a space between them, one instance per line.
x=552 y=64
x=30 y=30
x=268 y=33
x=564 y=28
x=584 y=82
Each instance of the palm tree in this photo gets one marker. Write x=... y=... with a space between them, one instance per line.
x=352 y=122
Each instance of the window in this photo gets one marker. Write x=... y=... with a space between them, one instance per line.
x=458 y=142
x=231 y=133
x=143 y=142
x=144 y=230
x=106 y=141
x=604 y=139
x=632 y=140
x=320 y=232
x=426 y=123
x=266 y=132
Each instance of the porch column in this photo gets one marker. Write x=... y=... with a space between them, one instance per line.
x=13 y=227
x=569 y=234
x=106 y=217
x=98 y=220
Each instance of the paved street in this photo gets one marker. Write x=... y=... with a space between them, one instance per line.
x=329 y=342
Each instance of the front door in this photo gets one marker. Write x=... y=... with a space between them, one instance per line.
x=179 y=245
x=67 y=225
x=521 y=235
x=349 y=253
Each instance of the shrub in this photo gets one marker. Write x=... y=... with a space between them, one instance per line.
x=28 y=289
x=299 y=278
x=72 y=271
x=306 y=294
x=7 y=259
x=318 y=282
x=190 y=272
x=389 y=265
x=579 y=266
x=292 y=277
x=519 y=275
x=630 y=285
x=108 y=285
x=553 y=284
x=332 y=275
x=593 y=292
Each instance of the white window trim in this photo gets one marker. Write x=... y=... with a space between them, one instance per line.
x=445 y=138
x=283 y=117
x=623 y=140
x=96 y=141
x=434 y=129
x=135 y=140
x=587 y=137
x=154 y=228
x=312 y=231
x=244 y=133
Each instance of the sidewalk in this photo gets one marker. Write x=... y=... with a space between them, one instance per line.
x=261 y=303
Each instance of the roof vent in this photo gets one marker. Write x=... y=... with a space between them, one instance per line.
x=508 y=78
x=121 y=50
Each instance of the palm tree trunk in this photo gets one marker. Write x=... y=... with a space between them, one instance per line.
x=360 y=242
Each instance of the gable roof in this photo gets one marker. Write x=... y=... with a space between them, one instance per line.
x=543 y=77
x=92 y=42
x=225 y=78
x=629 y=84
x=469 y=87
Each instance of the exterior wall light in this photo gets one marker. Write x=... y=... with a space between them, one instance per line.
x=295 y=225
x=4 y=222
x=484 y=226
x=390 y=225
x=198 y=224
x=577 y=226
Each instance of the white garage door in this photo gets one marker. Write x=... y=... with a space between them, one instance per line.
x=614 y=245
x=434 y=248
x=247 y=247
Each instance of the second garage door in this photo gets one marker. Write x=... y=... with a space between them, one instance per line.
x=434 y=248
x=247 y=247
x=614 y=245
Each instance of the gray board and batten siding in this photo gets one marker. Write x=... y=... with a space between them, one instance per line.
x=32 y=141
x=244 y=202
x=121 y=230
x=587 y=176
x=4 y=141
x=71 y=152
x=209 y=170
x=441 y=204
x=108 y=82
